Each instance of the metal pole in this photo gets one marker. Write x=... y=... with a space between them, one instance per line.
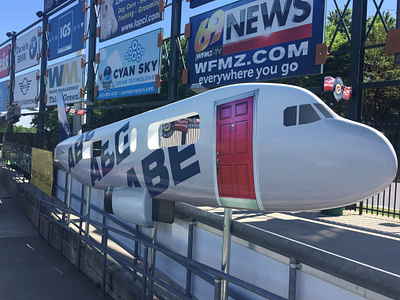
x=190 y=256
x=136 y=250
x=87 y=214
x=226 y=250
x=174 y=51
x=104 y=244
x=43 y=67
x=12 y=76
x=145 y=264
x=357 y=54
x=293 y=265
x=91 y=61
x=152 y=263
x=69 y=197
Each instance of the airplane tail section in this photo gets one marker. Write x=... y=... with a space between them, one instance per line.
x=65 y=131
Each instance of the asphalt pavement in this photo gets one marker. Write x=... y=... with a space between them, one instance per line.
x=29 y=267
x=369 y=239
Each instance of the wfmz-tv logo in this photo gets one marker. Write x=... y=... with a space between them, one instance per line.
x=236 y=27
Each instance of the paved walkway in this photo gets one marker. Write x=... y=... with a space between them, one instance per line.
x=31 y=269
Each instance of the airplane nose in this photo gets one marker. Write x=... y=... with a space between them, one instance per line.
x=374 y=163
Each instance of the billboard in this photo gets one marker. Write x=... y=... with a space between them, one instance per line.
x=129 y=68
x=3 y=96
x=66 y=32
x=66 y=77
x=26 y=89
x=120 y=17
x=4 y=61
x=42 y=170
x=196 y=3
x=252 y=40
x=52 y=4
x=26 y=50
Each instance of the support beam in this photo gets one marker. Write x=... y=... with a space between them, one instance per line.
x=12 y=75
x=91 y=78
x=226 y=250
x=357 y=54
x=43 y=67
x=173 y=79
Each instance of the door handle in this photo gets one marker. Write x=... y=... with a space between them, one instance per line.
x=217 y=166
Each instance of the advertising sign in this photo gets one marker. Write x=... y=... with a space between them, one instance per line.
x=66 y=77
x=4 y=61
x=26 y=50
x=52 y=4
x=251 y=40
x=3 y=96
x=196 y=3
x=129 y=68
x=66 y=31
x=122 y=16
x=26 y=89
x=42 y=170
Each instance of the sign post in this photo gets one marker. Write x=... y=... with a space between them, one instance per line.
x=13 y=37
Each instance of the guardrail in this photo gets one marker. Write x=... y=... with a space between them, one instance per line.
x=142 y=264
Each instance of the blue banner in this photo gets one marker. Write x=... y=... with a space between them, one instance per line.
x=66 y=31
x=123 y=16
x=52 y=4
x=3 y=96
x=196 y=3
x=249 y=41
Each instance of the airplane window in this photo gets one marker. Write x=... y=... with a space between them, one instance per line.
x=97 y=148
x=307 y=114
x=324 y=110
x=133 y=144
x=290 y=116
x=183 y=131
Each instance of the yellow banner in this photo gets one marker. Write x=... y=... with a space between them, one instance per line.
x=42 y=170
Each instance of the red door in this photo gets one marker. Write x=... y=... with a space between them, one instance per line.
x=234 y=155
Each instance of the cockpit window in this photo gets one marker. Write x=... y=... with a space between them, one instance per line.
x=304 y=114
x=290 y=116
x=323 y=110
x=307 y=114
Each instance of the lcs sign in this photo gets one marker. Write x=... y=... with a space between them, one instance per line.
x=66 y=32
x=255 y=41
x=66 y=77
x=4 y=61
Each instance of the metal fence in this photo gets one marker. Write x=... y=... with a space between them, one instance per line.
x=387 y=202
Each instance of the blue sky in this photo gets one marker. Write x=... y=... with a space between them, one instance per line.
x=17 y=15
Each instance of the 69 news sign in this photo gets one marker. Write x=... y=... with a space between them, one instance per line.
x=251 y=40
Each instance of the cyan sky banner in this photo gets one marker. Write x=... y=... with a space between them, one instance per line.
x=129 y=68
x=249 y=41
x=66 y=31
x=3 y=96
x=122 y=16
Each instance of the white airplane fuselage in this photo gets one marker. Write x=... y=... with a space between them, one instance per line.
x=260 y=146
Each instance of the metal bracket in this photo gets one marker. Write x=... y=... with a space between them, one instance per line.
x=295 y=266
